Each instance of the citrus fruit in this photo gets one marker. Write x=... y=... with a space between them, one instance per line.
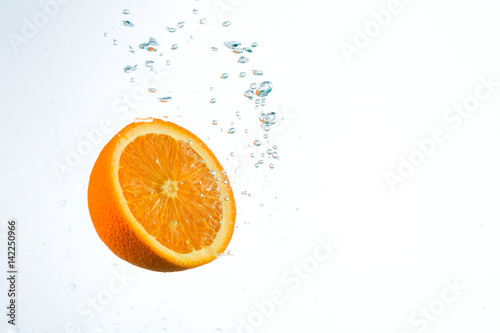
x=159 y=198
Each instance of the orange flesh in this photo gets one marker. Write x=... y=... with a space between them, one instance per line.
x=172 y=194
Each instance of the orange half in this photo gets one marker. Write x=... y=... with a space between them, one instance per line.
x=159 y=198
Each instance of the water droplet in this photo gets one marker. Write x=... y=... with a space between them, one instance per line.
x=115 y=42
x=267 y=118
x=105 y=34
x=173 y=223
x=257 y=101
x=212 y=172
x=171 y=29
x=153 y=90
x=248 y=94
x=252 y=155
x=257 y=72
x=131 y=49
x=265 y=135
x=232 y=130
x=203 y=21
x=164 y=99
x=264 y=89
x=126 y=11
x=243 y=60
x=132 y=80
x=232 y=44
x=149 y=63
x=269 y=151
x=128 y=69
x=151 y=46
x=243 y=74
x=271 y=166
x=226 y=24
x=168 y=62
x=253 y=86
x=180 y=25
x=62 y=203
x=127 y=24
x=275 y=147
x=275 y=155
x=246 y=130
x=195 y=11
x=213 y=100
x=261 y=162
x=214 y=122
x=237 y=113
x=72 y=286
x=226 y=198
x=255 y=44
x=238 y=50
x=257 y=143
x=248 y=49
x=175 y=47
x=224 y=76
x=213 y=48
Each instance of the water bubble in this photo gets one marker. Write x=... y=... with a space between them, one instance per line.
x=237 y=113
x=127 y=24
x=149 y=63
x=271 y=166
x=72 y=286
x=151 y=46
x=269 y=151
x=248 y=49
x=164 y=99
x=153 y=90
x=257 y=143
x=243 y=60
x=203 y=21
x=214 y=122
x=226 y=24
x=267 y=118
x=171 y=29
x=232 y=130
x=257 y=101
x=232 y=44
x=275 y=147
x=261 y=162
x=180 y=25
x=248 y=94
x=115 y=42
x=256 y=165
x=265 y=136
x=257 y=72
x=175 y=46
x=275 y=155
x=168 y=62
x=243 y=74
x=195 y=11
x=132 y=80
x=126 y=11
x=213 y=100
x=255 y=44
x=224 y=76
x=213 y=48
x=238 y=50
x=131 y=49
x=253 y=86
x=105 y=34
x=128 y=69
x=264 y=89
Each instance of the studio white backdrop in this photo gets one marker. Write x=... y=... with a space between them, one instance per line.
x=380 y=215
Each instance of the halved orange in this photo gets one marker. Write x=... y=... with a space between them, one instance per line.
x=160 y=199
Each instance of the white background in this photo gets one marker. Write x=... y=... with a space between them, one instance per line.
x=345 y=124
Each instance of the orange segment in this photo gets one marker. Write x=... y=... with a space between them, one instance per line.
x=159 y=198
